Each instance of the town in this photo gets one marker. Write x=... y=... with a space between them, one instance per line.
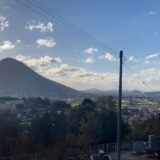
x=133 y=108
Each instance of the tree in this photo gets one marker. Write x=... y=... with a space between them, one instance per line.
x=43 y=130
x=141 y=130
x=100 y=124
x=60 y=105
x=91 y=122
x=106 y=102
x=10 y=131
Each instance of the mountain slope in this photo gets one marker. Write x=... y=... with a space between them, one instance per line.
x=16 y=79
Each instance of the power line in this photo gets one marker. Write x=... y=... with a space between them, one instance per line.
x=74 y=27
x=139 y=78
x=131 y=70
x=144 y=55
x=48 y=14
x=39 y=12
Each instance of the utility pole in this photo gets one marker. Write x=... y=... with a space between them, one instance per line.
x=119 y=109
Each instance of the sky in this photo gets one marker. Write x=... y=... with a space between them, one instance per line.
x=58 y=53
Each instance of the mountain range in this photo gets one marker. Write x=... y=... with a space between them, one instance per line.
x=112 y=92
x=16 y=79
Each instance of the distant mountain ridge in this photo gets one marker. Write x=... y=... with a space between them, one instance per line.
x=113 y=92
x=16 y=79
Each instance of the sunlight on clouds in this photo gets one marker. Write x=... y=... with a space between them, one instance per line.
x=46 y=42
x=62 y=70
x=6 y=45
x=146 y=62
x=18 y=41
x=132 y=58
x=89 y=60
x=79 y=78
x=39 y=64
x=149 y=76
x=91 y=50
x=108 y=56
x=152 y=56
x=20 y=57
x=150 y=72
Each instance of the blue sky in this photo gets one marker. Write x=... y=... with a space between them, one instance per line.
x=54 y=52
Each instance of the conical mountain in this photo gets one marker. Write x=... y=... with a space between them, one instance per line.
x=16 y=79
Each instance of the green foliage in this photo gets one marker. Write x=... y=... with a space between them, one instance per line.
x=106 y=102
x=99 y=128
x=100 y=123
x=60 y=105
x=91 y=122
x=42 y=130
x=141 y=129
x=37 y=102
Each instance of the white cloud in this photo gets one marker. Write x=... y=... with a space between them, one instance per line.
x=18 y=41
x=63 y=70
x=91 y=50
x=145 y=80
x=132 y=58
x=80 y=78
x=39 y=64
x=50 y=27
x=108 y=56
x=146 y=62
x=150 y=72
x=152 y=56
x=3 y=23
x=6 y=45
x=46 y=42
x=151 y=12
x=58 y=60
x=41 y=27
x=89 y=60
x=20 y=57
